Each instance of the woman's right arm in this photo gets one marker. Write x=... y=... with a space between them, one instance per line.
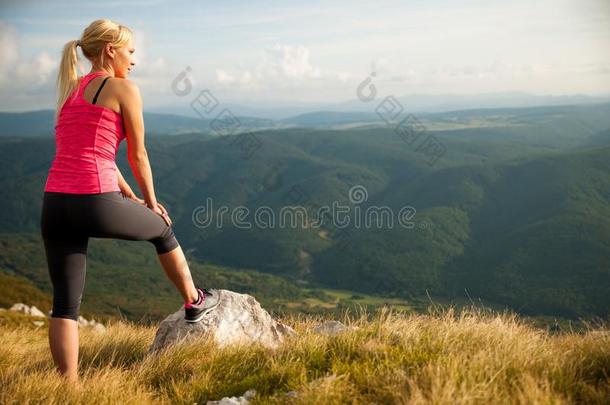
x=131 y=109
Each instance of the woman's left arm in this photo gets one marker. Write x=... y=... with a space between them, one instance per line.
x=125 y=189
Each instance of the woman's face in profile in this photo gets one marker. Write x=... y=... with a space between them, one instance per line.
x=123 y=60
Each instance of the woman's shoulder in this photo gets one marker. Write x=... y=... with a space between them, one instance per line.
x=122 y=83
x=124 y=86
x=125 y=89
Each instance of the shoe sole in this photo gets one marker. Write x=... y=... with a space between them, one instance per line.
x=203 y=313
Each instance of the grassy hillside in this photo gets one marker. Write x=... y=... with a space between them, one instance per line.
x=465 y=357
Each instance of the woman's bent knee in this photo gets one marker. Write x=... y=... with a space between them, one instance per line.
x=166 y=242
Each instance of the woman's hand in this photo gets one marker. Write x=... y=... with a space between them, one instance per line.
x=160 y=209
x=138 y=200
x=132 y=196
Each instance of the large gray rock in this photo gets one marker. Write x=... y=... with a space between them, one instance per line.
x=237 y=318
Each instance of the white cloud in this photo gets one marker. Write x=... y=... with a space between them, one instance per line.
x=8 y=48
x=38 y=70
x=24 y=79
x=246 y=77
x=291 y=62
x=223 y=77
x=281 y=66
x=345 y=77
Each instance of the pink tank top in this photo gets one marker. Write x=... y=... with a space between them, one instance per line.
x=87 y=137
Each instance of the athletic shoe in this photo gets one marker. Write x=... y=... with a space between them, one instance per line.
x=207 y=300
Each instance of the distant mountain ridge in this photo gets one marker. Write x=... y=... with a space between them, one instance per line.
x=41 y=122
x=413 y=103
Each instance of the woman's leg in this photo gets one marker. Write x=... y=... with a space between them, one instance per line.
x=67 y=261
x=111 y=215
x=63 y=340
x=177 y=270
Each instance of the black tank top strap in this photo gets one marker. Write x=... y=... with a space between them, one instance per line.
x=100 y=89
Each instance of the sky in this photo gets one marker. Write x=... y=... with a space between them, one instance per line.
x=282 y=52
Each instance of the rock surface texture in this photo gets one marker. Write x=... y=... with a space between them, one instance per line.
x=237 y=318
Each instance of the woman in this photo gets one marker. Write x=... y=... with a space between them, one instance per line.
x=85 y=194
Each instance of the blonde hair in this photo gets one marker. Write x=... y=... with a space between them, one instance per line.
x=92 y=43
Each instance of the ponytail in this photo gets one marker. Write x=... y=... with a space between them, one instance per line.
x=67 y=77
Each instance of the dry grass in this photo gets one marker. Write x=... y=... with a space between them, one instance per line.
x=448 y=357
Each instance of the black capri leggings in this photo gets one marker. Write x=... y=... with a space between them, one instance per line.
x=68 y=220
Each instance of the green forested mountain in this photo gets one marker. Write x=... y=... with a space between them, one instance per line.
x=515 y=211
